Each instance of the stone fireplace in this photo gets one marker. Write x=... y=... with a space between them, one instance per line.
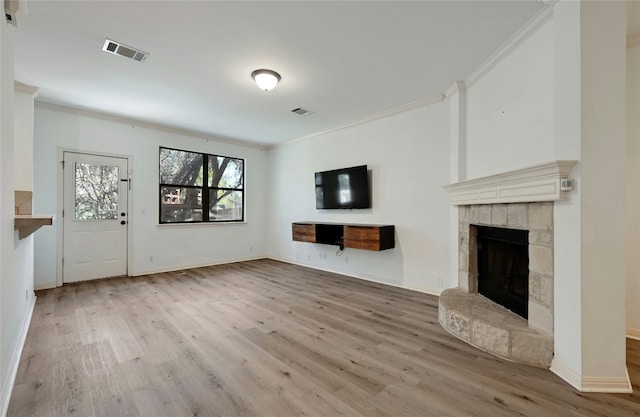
x=521 y=201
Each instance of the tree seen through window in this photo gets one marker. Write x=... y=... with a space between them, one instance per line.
x=190 y=193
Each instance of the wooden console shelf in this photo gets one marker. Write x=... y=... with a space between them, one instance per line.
x=357 y=236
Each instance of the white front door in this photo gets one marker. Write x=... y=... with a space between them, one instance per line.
x=95 y=217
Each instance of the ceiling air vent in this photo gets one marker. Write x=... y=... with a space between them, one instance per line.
x=301 y=111
x=124 y=50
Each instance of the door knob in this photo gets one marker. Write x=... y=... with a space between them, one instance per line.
x=123 y=222
x=123 y=214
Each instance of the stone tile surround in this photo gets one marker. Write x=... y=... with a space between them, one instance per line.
x=535 y=217
x=480 y=321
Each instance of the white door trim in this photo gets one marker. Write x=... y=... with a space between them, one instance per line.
x=60 y=205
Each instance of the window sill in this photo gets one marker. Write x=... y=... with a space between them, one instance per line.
x=201 y=224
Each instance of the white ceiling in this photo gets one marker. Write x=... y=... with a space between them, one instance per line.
x=345 y=60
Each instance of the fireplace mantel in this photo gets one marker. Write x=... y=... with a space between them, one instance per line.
x=532 y=184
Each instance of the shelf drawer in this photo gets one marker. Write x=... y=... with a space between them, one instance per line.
x=375 y=238
x=304 y=232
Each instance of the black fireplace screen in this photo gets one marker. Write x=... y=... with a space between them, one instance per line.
x=503 y=267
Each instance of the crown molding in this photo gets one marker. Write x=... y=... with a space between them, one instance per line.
x=438 y=98
x=532 y=184
x=134 y=122
x=517 y=39
x=26 y=88
x=457 y=87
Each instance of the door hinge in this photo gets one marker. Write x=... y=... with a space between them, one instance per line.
x=62 y=261
x=62 y=162
x=62 y=213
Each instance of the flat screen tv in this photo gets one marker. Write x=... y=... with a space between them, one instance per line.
x=346 y=188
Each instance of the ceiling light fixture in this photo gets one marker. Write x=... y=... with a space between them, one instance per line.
x=266 y=79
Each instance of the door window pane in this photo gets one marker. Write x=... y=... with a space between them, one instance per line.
x=96 y=192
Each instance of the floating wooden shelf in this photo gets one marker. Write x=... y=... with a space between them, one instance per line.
x=357 y=236
x=27 y=224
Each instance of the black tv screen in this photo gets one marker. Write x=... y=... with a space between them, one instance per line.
x=346 y=188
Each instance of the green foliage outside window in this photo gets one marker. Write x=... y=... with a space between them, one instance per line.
x=189 y=193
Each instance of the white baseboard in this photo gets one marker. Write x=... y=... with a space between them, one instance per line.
x=7 y=389
x=604 y=384
x=49 y=286
x=181 y=267
x=44 y=286
x=592 y=383
x=633 y=333
x=566 y=374
x=429 y=291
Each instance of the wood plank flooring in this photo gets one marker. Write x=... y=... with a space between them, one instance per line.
x=264 y=338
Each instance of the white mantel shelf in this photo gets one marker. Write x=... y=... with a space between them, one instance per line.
x=532 y=184
x=26 y=224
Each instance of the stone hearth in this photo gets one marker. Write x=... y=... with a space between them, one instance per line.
x=492 y=328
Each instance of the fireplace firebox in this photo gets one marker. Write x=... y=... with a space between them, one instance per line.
x=503 y=267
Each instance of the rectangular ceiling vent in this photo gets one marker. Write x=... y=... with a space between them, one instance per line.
x=124 y=50
x=301 y=111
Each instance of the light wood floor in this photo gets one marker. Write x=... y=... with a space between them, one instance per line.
x=264 y=339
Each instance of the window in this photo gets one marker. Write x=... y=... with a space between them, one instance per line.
x=189 y=193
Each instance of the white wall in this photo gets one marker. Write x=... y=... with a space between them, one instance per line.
x=16 y=256
x=153 y=248
x=633 y=190
x=567 y=214
x=510 y=110
x=23 y=140
x=526 y=111
x=560 y=95
x=407 y=155
x=603 y=128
